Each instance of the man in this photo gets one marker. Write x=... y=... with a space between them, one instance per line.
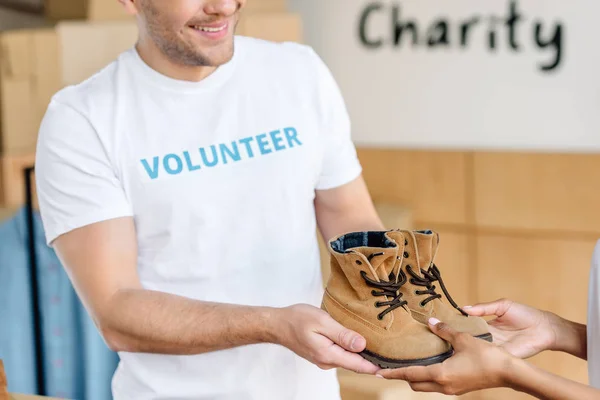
x=182 y=186
x=520 y=332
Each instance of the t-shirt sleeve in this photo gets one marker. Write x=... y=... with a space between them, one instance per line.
x=340 y=163
x=76 y=183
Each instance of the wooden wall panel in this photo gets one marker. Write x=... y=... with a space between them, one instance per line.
x=432 y=184
x=456 y=263
x=537 y=191
x=550 y=274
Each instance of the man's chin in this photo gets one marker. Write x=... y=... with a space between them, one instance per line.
x=220 y=59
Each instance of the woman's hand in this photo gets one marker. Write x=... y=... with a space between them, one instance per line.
x=475 y=365
x=521 y=330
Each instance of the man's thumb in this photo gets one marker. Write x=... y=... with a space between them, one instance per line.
x=350 y=340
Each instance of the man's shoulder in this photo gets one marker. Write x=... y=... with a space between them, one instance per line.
x=285 y=63
x=265 y=52
x=98 y=88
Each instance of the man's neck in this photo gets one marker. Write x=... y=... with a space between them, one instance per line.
x=156 y=60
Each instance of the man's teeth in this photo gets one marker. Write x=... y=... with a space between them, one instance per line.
x=207 y=29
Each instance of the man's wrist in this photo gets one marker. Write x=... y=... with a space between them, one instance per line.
x=269 y=325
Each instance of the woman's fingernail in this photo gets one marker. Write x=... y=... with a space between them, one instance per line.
x=468 y=307
x=434 y=321
x=379 y=376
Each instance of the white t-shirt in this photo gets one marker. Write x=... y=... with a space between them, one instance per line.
x=220 y=177
x=593 y=325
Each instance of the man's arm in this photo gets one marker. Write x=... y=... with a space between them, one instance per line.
x=101 y=260
x=344 y=209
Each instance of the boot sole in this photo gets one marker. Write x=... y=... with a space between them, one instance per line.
x=486 y=336
x=387 y=363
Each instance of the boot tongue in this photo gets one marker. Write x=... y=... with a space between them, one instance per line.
x=426 y=242
x=382 y=260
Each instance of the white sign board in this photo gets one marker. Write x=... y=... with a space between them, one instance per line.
x=468 y=74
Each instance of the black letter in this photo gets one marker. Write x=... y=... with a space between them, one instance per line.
x=492 y=32
x=399 y=26
x=511 y=22
x=465 y=30
x=556 y=41
x=442 y=38
x=362 y=27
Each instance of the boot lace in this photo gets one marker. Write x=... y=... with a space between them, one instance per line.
x=390 y=288
x=431 y=275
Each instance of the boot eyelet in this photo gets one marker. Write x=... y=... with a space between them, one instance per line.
x=358 y=262
x=374 y=293
x=421 y=304
x=377 y=305
x=405 y=242
x=379 y=317
x=416 y=292
x=406 y=255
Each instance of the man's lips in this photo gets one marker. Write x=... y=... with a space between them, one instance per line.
x=213 y=30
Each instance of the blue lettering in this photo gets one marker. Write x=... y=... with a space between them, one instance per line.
x=152 y=172
x=188 y=162
x=234 y=156
x=168 y=168
x=292 y=136
x=246 y=142
x=262 y=144
x=276 y=140
x=215 y=160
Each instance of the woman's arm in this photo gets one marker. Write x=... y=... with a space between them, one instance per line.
x=478 y=365
x=570 y=337
x=525 y=377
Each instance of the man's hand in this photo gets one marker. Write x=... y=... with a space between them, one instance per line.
x=312 y=334
x=521 y=330
x=475 y=365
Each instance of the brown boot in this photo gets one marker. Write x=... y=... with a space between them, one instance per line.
x=363 y=295
x=417 y=250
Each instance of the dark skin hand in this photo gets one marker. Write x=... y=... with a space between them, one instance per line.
x=519 y=331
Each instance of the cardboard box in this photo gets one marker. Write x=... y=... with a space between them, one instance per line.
x=29 y=77
x=277 y=27
x=111 y=10
x=91 y=10
x=12 y=180
x=89 y=47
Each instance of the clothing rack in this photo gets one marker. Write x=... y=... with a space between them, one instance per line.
x=35 y=288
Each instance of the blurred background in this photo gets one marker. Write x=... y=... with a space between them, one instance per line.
x=476 y=119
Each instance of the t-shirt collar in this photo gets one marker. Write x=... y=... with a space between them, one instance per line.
x=217 y=78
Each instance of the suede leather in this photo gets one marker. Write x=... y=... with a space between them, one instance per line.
x=348 y=299
x=418 y=249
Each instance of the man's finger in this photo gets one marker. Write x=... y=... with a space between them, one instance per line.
x=497 y=308
x=412 y=374
x=426 y=387
x=353 y=362
x=343 y=337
